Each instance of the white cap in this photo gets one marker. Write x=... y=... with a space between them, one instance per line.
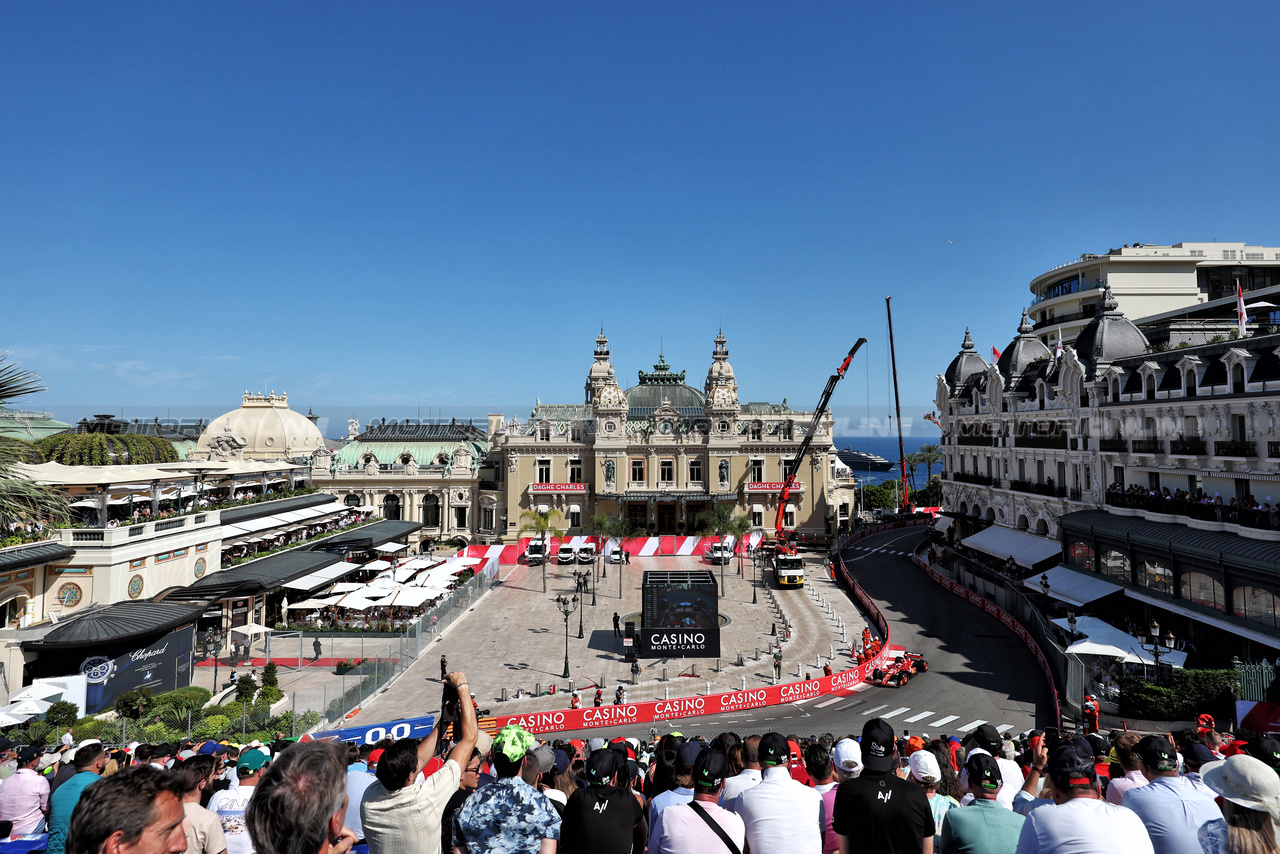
x=85 y=743
x=847 y=755
x=924 y=767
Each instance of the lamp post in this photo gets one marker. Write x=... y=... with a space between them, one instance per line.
x=755 y=582
x=567 y=606
x=211 y=645
x=1157 y=645
x=1071 y=623
x=582 y=585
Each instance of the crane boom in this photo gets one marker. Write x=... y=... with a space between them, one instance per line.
x=793 y=467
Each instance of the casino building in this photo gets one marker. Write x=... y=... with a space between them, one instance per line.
x=658 y=454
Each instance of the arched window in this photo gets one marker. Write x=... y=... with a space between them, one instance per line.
x=1023 y=524
x=391 y=507
x=1257 y=604
x=1151 y=387
x=1042 y=527
x=1115 y=564
x=964 y=508
x=352 y=500
x=991 y=515
x=1155 y=575
x=431 y=511
x=12 y=610
x=1202 y=589
x=1080 y=553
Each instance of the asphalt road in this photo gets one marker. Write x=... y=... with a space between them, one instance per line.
x=979 y=672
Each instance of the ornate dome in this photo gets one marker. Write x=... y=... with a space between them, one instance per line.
x=721 y=388
x=1109 y=336
x=967 y=363
x=602 y=367
x=1022 y=351
x=263 y=428
x=663 y=384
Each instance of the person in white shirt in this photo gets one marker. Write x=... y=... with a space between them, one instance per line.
x=683 y=792
x=750 y=774
x=1079 y=821
x=985 y=739
x=687 y=828
x=230 y=804
x=782 y=815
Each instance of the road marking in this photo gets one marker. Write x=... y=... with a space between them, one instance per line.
x=862 y=686
x=874 y=709
x=826 y=703
x=802 y=702
x=971 y=726
x=850 y=706
x=918 y=717
x=896 y=712
x=1003 y=728
x=943 y=721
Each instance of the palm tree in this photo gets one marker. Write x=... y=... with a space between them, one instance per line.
x=719 y=522
x=541 y=523
x=22 y=500
x=620 y=529
x=596 y=526
x=930 y=456
x=912 y=460
x=739 y=527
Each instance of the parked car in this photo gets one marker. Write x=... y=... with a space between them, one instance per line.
x=587 y=553
x=615 y=555
x=536 y=553
x=566 y=554
x=719 y=553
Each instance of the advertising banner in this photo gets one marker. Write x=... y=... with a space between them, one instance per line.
x=679 y=616
x=373 y=733
x=163 y=666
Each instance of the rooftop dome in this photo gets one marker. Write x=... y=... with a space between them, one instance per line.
x=1022 y=351
x=663 y=384
x=1109 y=336
x=601 y=367
x=967 y=363
x=263 y=428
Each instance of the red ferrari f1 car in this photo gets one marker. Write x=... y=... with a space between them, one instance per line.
x=896 y=673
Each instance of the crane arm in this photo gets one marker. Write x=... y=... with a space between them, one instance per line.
x=793 y=467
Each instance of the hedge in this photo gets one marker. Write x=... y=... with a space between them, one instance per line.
x=1188 y=694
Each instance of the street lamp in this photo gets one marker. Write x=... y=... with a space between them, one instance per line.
x=582 y=588
x=211 y=645
x=1157 y=645
x=755 y=582
x=1071 y=623
x=567 y=606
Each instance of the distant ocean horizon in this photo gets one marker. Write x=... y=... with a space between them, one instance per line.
x=887 y=447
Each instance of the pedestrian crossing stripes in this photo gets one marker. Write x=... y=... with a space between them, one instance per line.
x=944 y=721
x=1003 y=728
x=918 y=717
x=830 y=702
x=925 y=720
x=971 y=725
x=896 y=712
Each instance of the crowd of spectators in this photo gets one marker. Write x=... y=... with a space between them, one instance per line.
x=1244 y=510
x=458 y=789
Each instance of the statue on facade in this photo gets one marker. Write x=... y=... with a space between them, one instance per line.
x=608 y=472
x=724 y=472
x=353 y=428
x=226 y=447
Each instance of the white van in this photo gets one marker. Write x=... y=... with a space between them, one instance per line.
x=566 y=554
x=719 y=553
x=536 y=553
x=587 y=554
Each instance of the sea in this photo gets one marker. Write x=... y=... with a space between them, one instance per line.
x=887 y=447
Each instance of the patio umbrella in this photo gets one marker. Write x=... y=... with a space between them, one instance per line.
x=27 y=707
x=12 y=720
x=308 y=604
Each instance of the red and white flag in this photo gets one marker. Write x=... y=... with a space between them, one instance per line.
x=1239 y=309
x=995 y=354
x=1057 y=354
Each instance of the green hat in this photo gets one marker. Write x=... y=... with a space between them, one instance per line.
x=513 y=742
x=252 y=761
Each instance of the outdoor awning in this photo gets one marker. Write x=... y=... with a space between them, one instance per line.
x=346 y=587
x=942 y=523
x=1004 y=543
x=378 y=564
x=1102 y=638
x=250 y=630
x=543 y=508
x=390 y=548
x=412 y=597
x=356 y=602
x=323 y=577
x=416 y=563
x=1072 y=586
x=1202 y=616
x=309 y=604
x=575 y=508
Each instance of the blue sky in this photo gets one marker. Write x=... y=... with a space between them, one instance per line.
x=437 y=205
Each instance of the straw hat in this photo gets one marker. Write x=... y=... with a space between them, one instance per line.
x=1245 y=781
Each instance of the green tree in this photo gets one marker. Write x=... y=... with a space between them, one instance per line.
x=912 y=460
x=930 y=456
x=22 y=500
x=542 y=525
x=62 y=714
x=270 y=676
x=135 y=704
x=245 y=688
x=719 y=521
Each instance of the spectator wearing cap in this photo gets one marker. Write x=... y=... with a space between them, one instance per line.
x=878 y=811
x=401 y=813
x=161 y=756
x=1079 y=820
x=1249 y=795
x=137 y=811
x=985 y=739
x=601 y=817
x=508 y=815
x=1170 y=806
x=749 y=775
x=90 y=760
x=300 y=804
x=1194 y=757
x=924 y=769
x=359 y=779
x=683 y=792
x=822 y=771
x=8 y=758
x=24 y=797
x=781 y=814
x=230 y=804
x=847 y=759
x=984 y=827
x=66 y=769
x=701 y=826
x=1125 y=752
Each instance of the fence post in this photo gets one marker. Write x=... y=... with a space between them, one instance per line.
x=293 y=714
x=244 y=718
x=188 y=724
x=124 y=731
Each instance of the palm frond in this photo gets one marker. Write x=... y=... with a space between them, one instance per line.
x=17 y=382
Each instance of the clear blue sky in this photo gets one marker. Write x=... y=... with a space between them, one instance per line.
x=436 y=205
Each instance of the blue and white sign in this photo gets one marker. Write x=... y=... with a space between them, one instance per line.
x=406 y=728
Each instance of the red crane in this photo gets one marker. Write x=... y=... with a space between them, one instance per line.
x=783 y=545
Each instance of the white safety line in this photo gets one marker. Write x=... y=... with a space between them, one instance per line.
x=1003 y=728
x=896 y=712
x=830 y=702
x=918 y=717
x=971 y=726
x=943 y=721
x=874 y=709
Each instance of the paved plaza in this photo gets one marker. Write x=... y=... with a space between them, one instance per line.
x=514 y=639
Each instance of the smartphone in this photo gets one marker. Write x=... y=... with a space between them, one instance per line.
x=1052 y=737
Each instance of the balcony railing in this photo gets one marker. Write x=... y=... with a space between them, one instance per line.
x=1046 y=489
x=977 y=479
x=976 y=441
x=1075 y=494
x=1273 y=450
x=1263 y=520
x=1188 y=447
x=1235 y=449
x=1056 y=441
x=1147 y=446
x=1078 y=443
x=1121 y=445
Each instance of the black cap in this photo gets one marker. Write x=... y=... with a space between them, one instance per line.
x=602 y=764
x=1071 y=763
x=1157 y=754
x=6 y=744
x=28 y=753
x=774 y=749
x=877 y=745
x=712 y=767
x=984 y=771
x=687 y=755
x=987 y=737
x=1267 y=750
x=1098 y=743
x=1197 y=754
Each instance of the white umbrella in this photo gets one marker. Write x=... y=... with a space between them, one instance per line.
x=27 y=707
x=377 y=564
x=347 y=587
x=412 y=597
x=251 y=629
x=356 y=602
x=11 y=720
x=306 y=604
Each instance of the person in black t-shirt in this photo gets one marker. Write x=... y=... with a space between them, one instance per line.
x=878 y=811
x=470 y=782
x=601 y=818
